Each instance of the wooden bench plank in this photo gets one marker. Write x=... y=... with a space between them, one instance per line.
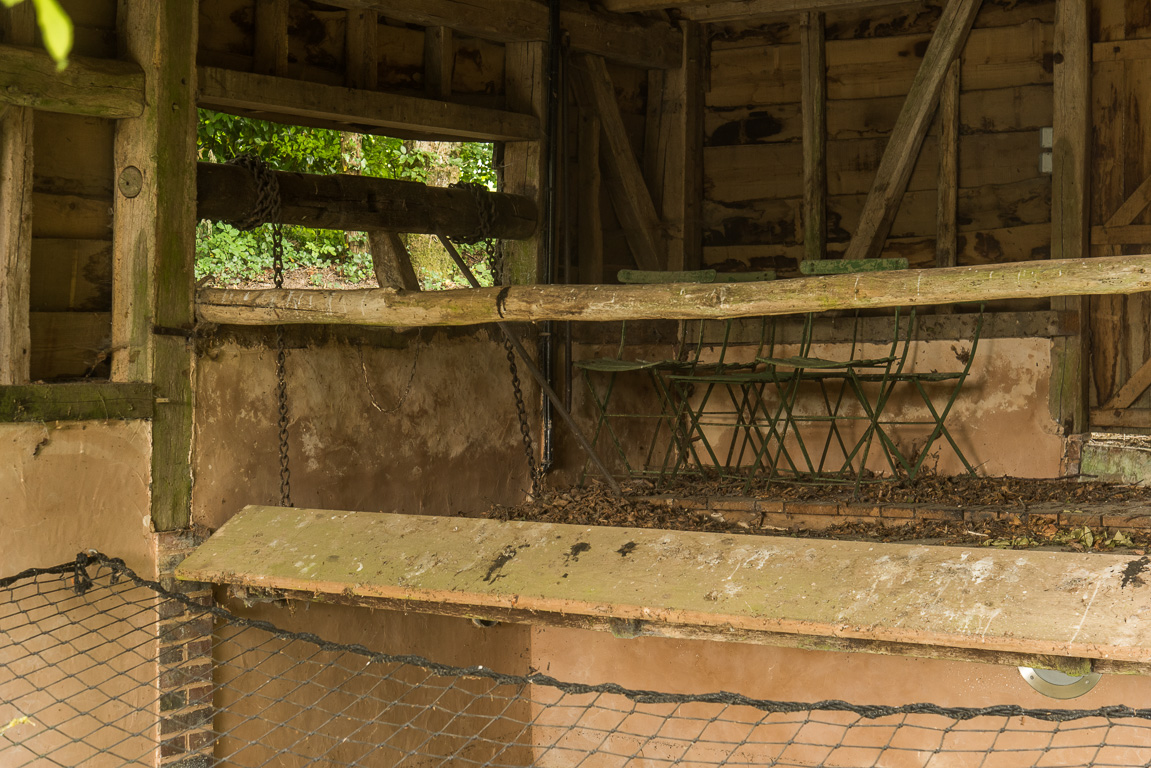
x=984 y=600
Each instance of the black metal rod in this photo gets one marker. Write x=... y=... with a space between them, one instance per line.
x=537 y=374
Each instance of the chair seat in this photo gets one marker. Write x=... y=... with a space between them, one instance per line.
x=614 y=365
x=821 y=363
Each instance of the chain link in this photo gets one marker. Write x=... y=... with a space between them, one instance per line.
x=267 y=210
x=486 y=213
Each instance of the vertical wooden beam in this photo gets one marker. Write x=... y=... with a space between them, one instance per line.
x=813 y=76
x=1071 y=202
x=588 y=200
x=391 y=261
x=439 y=62
x=154 y=240
x=677 y=177
x=654 y=126
x=524 y=162
x=16 y=151
x=946 y=227
x=271 y=55
x=910 y=129
x=361 y=51
x=630 y=195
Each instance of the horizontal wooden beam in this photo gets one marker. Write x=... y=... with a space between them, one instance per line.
x=733 y=10
x=679 y=301
x=1121 y=418
x=1132 y=234
x=776 y=590
x=642 y=43
x=228 y=90
x=78 y=401
x=93 y=87
x=228 y=192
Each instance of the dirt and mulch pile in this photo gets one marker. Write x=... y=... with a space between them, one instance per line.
x=637 y=508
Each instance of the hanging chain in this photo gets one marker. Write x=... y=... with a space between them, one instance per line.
x=486 y=211
x=267 y=210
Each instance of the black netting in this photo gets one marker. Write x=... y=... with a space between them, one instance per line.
x=85 y=681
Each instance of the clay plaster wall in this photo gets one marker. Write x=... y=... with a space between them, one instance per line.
x=418 y=423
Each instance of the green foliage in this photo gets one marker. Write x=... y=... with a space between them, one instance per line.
x=232 y=256
x=55 y=28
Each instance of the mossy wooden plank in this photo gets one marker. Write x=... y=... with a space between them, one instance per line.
x=76 y=401
x=1063 y=604
x=96 y=87
x=850 y=266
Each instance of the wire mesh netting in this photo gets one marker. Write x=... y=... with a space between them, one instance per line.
x=86 y=680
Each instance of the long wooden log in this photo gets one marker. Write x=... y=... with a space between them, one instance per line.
x=94 y=87
x=228 y=192
x=529 y=303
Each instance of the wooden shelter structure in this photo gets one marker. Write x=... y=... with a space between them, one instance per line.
x=997 y=145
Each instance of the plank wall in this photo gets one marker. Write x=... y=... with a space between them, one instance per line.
x=71 y=290
x=1121 y=161
x=753 y=158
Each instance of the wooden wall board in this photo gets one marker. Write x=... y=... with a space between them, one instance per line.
x=71 y=217
x=227 y=26
x=94 y=27
x=71 y=275
x=71 y=345
x=81 y=401
x=77 y=159
x=1064 y=604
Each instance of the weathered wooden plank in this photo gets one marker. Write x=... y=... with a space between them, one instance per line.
x=1130 y=391
x=1132 y=206
x=947 y=213
x=361 y=53
x=631 y=197
x=347 y=202
x=76 y=401
x=813 y=76
x=973 y=598
x=97 y=87
x=69 y=345
x=439 y=61
x=910 y=130
x=1132 y=234
x=230 y=90
x=1121 y=50
x=636 y=42
x=591 y=264
x=71 y=275
x=1028 y=279
x=1126 y=418
x=524 y=168
x=16 y=147
x=391 y=261
x=1070 y=208
x=271 y=53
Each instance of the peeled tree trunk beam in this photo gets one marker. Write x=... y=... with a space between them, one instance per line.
x=529 y=303
x=228 y=193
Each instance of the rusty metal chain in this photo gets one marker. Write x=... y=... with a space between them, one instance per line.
x=486 y=213
x=267 y=211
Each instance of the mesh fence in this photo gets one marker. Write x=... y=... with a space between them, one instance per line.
x=84 y=682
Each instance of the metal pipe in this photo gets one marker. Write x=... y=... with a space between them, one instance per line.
x=537 y=375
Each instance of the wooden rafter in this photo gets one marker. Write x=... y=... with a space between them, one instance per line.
x=360 y=110
x=910 y=129
x=733 y=10
x=679 y=301
x=93 y=87
x=630 y=195
x=813 y=76
x=636 y=42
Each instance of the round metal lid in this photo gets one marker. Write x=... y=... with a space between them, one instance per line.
x=1058 y=685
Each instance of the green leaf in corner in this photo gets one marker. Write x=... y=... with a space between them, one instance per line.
x=56 y=29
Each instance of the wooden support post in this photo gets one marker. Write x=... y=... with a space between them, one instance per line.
x=946 y=228
x=680 y=301
x=630 y=195
x=391 y=261
x=16 y=152
x=813 y=74
x=344 y=201
x=591 y=269
x=154 y=242
x=93 y=87
x=675 y=169
x=271 y=55
x=1070 y=202
x=910 y=129
x=439 y=62
x=524 y=167
x=361 y=50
